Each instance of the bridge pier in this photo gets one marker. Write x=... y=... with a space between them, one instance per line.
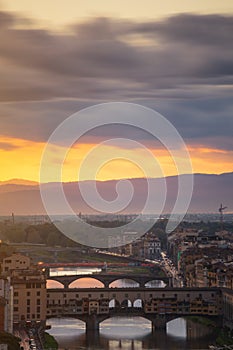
x=66 y=285
x=159 y=323
x=92 y=323
x=170 y=282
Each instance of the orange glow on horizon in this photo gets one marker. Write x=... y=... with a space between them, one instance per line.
x=21 y=159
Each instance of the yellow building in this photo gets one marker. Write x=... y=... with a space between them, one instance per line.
x=29 y=288
x=29 y=297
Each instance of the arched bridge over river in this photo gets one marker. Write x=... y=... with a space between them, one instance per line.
x=107 y=279
x=159 y=305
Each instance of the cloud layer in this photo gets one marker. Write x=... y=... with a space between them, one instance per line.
x=181 y=66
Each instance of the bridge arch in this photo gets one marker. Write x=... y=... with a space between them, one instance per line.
x=93 y=282
x=55 y=321
x=51 y=283
x=138 y=303
x=110 y=280
x=155 y=283
x=126 y=303
x=122 y=281
x=114 y=303
x=132 y=323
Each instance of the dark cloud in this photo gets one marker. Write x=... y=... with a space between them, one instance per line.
x=7 y=146
x=205 y=121
x=180 y=66
x=210 y=30
x=101 y=55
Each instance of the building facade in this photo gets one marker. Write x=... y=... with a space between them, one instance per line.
x=28 y=288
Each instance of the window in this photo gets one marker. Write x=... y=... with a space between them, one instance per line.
x=89 y=295
x=38 y=315
x=28 y=309
x=16 y=301
x=28 y=294
x=38 y=302
x=16 y=309
x=38 y=294
x=77 y=295
x=38 y=309
x=16 y=294
x=28 y=301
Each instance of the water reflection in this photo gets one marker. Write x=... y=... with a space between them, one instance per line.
x=129 y=333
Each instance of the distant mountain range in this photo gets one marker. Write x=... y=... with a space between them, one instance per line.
x=19 y=182
x=23 y=197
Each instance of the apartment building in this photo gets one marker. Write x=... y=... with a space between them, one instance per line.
x=6 y=312
x=29 y=297
x=28 y=288
x=15 y=262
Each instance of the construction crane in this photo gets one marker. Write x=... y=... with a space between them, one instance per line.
x=221 y=209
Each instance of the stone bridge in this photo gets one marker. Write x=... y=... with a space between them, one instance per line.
x=107 y=279
x=159 y=305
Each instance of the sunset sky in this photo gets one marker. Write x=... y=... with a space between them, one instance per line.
x=57 y=57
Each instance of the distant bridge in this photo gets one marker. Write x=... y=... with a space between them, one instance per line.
x=96 y=264
x=159 y=305
x=107 y=279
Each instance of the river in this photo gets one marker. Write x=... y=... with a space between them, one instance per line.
x=124 y=332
